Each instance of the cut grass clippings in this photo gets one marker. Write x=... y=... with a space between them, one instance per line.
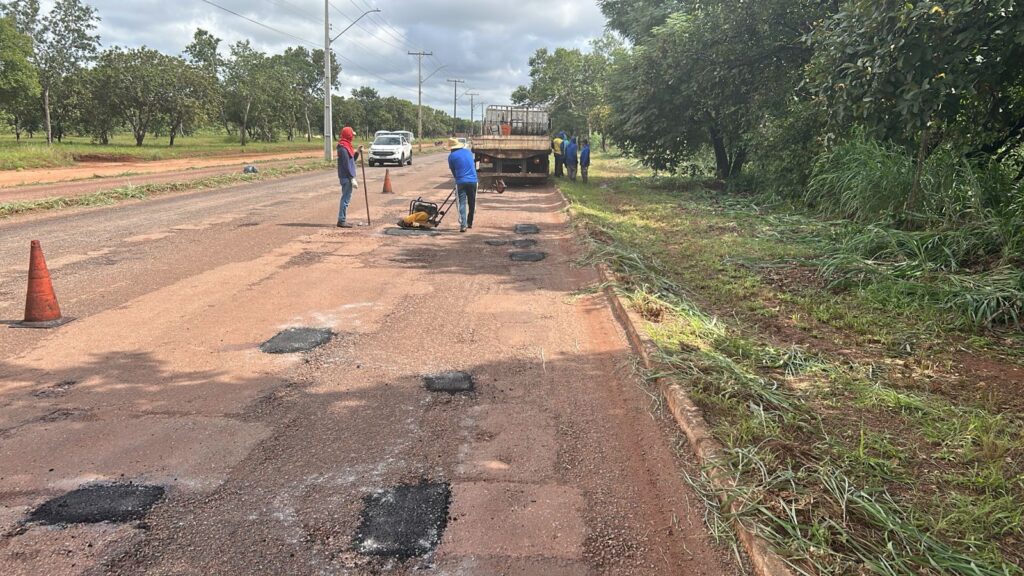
x=142 y=191
x=846 y=459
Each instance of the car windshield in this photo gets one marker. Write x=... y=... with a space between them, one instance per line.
x=388 y=140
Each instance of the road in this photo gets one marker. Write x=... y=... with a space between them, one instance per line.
x=337 y=460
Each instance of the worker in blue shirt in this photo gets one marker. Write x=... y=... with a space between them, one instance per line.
x=463 y=167
x=585 y=159
x=571 y=158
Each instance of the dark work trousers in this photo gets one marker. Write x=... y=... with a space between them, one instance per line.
x=559 y=161
x=467 y=203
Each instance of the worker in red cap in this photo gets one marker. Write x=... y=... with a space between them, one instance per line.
x=347 y=157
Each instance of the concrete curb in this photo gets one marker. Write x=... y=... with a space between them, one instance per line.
x=690 y=419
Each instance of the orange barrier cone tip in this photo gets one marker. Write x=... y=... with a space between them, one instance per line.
x=41 y=308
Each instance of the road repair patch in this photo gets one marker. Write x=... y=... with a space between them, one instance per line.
x=451 y=382
x=527 y=256
x=527 y=229
x=297 y=340
x=404 y=521
x=99 y=503
x=411 y=232
x=496 y=242
x=524 y=243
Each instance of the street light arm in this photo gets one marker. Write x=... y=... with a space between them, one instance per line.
x=354 y=23
x=435 y=72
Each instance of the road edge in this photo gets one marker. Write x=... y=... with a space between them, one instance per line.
x=690 y=419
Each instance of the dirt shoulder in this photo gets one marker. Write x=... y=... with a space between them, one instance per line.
x=136 y=170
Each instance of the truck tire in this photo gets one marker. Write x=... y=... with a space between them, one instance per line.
x=410 y=159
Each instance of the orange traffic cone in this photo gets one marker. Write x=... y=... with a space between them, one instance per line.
x=41 y=308
x=387 y=183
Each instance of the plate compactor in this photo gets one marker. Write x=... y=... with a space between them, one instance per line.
x=423 y=214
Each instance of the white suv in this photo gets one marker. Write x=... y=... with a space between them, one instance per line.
x=388 y=148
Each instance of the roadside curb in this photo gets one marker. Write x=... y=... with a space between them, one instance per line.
x=690 y=419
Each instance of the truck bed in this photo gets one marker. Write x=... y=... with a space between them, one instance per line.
x=499 y=144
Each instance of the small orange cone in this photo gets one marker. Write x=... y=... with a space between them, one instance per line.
x=41 y=308
x=387 y=183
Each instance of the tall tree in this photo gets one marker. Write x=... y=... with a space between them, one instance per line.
x=19 y=83
x=569 y=82
x=63 y=44
x=139 y=86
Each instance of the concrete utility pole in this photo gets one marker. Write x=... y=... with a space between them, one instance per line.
x=472 y=110
x=328 y=111
x=482 y=118
x=419 y=98
x=455 y=102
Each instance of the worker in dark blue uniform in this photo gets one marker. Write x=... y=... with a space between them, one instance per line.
x=463 y=167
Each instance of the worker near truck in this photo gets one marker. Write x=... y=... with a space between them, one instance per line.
x=347 y=157
x=584 y=159
x=558 y=146
x=571 y=158
x=463 y=167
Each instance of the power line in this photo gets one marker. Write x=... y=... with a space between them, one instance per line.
x=258 y=23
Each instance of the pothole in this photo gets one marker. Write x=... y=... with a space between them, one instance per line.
x=524 y=243
x=496 y=242
x=99 y=503
x=404 y=521
x=527 y=229
x=58 y=389
x=411 y=232
x=306 y=259
x=297 y=340
x=451 y=382
x=527 y=256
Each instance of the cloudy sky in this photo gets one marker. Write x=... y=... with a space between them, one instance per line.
x=485 y=42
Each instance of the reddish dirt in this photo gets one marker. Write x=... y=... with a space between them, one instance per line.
x=111 y=169
x=555 y=464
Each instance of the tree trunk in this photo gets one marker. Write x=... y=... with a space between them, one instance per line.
x=140 y=135
x=309 y=128
x=738 y=160
x=245 y=122
x=174 y=131
x=915 y=187
x=46 y=109
x=722 y=163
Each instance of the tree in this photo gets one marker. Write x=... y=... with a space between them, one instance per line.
x=64 y=44
x=139 y=84
x=921 y=73
x=192 y=97
x=19 y=83
x=570 y=83
x=708 y=76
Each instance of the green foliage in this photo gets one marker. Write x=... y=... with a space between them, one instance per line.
x=18 y=78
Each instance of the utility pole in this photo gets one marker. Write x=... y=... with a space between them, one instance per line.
x=419 y=98
x=455 y=102
x=328 y=112
x=472 y=109
x=328 y=124
x=482 y=118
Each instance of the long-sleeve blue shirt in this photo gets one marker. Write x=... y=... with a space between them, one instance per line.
x=572 y=153
x=463 y=166
x=346 y=164
x=585 y=155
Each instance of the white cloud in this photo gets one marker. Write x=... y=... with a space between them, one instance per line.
x=485 y=42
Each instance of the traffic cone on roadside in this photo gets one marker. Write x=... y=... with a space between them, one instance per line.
x=41 y=308
x=387 y=183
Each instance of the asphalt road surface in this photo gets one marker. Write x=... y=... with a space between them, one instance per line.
x=157 y=410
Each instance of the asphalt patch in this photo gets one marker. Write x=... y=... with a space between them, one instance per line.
x=524 y=243
x=496 y=242
x=404 y=521
x=451 y=382
x=411 y=232
x=527 y=229
x=527 y=256
x=99 y=503
x=297 y=340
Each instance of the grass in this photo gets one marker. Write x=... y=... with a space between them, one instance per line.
x=856 y=437
x=143 y=191
x=34 y=153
